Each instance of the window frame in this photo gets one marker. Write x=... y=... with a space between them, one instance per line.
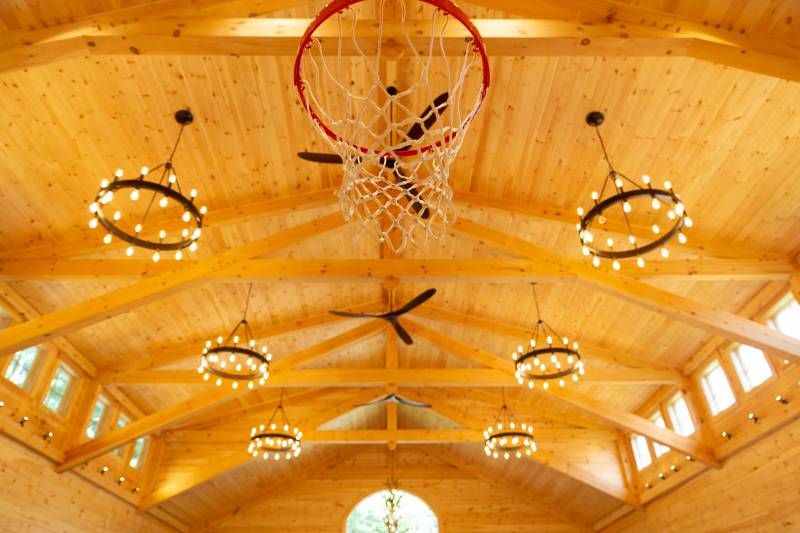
x=67 y=396
x=33 y=374
x=142 y=459
x=658 y=450
x=742 y=373
x=710 y=397
x=670 y=409
x=646 y=449
x=105 y=417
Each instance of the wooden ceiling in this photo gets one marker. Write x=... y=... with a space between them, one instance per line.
x=703 y=93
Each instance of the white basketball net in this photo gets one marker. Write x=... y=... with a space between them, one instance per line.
x=400 y=199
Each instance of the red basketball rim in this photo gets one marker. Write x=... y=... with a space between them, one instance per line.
x=337 y=6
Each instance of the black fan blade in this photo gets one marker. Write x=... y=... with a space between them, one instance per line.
x=415 y=302
x=394 y=398
x=355 y=315
x=428 y=117
x=316 y=157
x=412 y=403
x=401 y=332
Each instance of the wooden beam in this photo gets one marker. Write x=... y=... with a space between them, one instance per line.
x=760 y=53
x=671 y=305
x=400 y=436
x=119 y=301
x=181 y=411
x=41 y=46
x=279 y=37
x=265 y=331
x=635 y=424
x=369 y=270
x=379 y=377
x=144 y=426
x=695 y=245
x=519 y=334
x=173 y=483
x=89 y=240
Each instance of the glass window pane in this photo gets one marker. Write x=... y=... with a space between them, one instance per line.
x=19 y=369
x=787 y=320
x=58 y=390
x=640 y=451
x=751 y=366
x=660 y=449
x=122 y=421
x=717 y=389
x=98 y=413
x=680 y=417
x=136 y=457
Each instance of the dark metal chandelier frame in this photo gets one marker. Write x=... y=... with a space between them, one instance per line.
x=532 y=366
x=256 y=366
x=168 y=187
x=621 y=198
x=507 y=436
x=277 y=438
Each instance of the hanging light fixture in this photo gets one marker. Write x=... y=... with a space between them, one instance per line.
x=507 y=436
x=620 y=200
x=109 y=205
x=277 y=438
x=391 y=500
x=236 y=358
x=549 y=357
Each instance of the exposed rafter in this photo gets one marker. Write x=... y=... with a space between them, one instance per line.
x=628 y=289
x=94 y=310
x=367 y=270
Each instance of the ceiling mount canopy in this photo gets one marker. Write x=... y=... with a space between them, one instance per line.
x=613 y=212
x=508 y=437
x=277 y=438
x=132 y=220
x=550 y=357
x=236 y=358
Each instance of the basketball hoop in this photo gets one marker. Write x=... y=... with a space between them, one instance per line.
x=396 y=159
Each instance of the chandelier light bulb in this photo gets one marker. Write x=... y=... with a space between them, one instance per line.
x=107 y=238
x=615 y=264
x=143 y=171
x=680 y=209
x=119 y=173
x=596 y=261
x=193 y=247
x=137 y=228
x=687 y=222
x=203 y=210
x=682 y=238
x=178 y=255
x=93 y=223
x=94 y=207
x=618 y=183
x=186 y=217
x=627 y=207
x=595 y=195
x=668 y=185
x=173 y=178
x=163 y=202
x=655 y=203
x=656 y=229
x=134 y=194
x=640 y=262
x=580 y=212
x=156 y=257
x=117 y=215
x=162 y=234
x=103 y=184
x=129 y=251
x=646 y=179
x=664 y=253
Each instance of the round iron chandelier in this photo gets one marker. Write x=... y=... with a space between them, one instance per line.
x=236 y=358
x=620 y=201
x=508 y=437
x=277 y=438
x=549 y=357
x=140 y=230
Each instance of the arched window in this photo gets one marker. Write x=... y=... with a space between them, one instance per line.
x=413 y=514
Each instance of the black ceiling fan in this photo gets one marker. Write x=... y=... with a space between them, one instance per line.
x=428 y=118
x=395 y=398
x=392 y=316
